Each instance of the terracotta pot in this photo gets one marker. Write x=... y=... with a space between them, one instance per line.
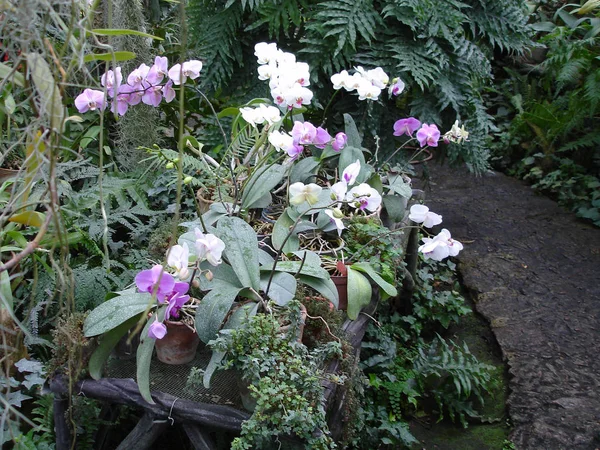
x=341 y=283
x=179 y=344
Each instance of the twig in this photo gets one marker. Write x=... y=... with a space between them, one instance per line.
x=327 y=326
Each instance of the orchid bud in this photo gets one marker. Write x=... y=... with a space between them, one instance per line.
x=337 y=213
x=333 y=196
x=169 y=165
x=176 y=160
x=187 y=180
x=209 y=275
x=195 y=283
x=446 y=140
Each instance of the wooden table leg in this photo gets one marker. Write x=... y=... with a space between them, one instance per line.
x=199 y=438
x=144 y=434
x=61 y=428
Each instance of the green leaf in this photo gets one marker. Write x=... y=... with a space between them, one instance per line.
x=114 y=312
x=50 y=98
x=262 y=181
x=241 y=249
x=354 y=139
x=90 y=136
x=123 y=32
x=397 y=184
x=394 y=207
x=108 y=342
x=6 y=298
x=237 y=319
x=359 y=293
x=213 y=309
x=304 y=170
x=17 y=78
x=223 y=274
x=325 y=287
x=307 y=269
x=112 y=56
x=281 y=229
x=144 y=356
x=282 y=289
x=368 y=269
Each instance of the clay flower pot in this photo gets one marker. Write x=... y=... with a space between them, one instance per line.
x=179 y=344
x=341 y=283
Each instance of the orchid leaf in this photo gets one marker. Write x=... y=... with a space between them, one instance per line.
x=144 y=356
x=213 y=309
x=369 y=270
x=354 y=139
x=237 y=319
x=304 y=170
x=109 y=341
x=282 y=289
x=241 y=250
x=123 y=32
x=359 y=293
x=115 y=311
x=281 y=229
x=112 y=56
x=222 y=274
x=397 y=185
x=307 y=269
x=395 y=207
x=325 y=287
x=6 y=298
x=262 y=181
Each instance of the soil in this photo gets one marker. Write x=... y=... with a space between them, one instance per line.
x=533 y=271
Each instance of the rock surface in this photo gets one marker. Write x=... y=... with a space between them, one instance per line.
x=534 y=271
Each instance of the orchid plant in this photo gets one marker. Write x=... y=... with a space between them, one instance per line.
x=273 y=149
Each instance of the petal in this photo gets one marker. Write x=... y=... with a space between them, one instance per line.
x=157 y=330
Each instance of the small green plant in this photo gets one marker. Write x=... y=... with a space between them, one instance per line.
x=284 y=380
x=452 y=375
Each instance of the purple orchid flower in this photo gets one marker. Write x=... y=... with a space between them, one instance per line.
x=157 y=330
x=90 y=100
x=304 y=133
x=406 y=126
x=176 y=302
x=339 y=141
x=428 y=135
x=322 y=138
x=156 y=279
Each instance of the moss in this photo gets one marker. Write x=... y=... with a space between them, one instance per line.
x=444 y=436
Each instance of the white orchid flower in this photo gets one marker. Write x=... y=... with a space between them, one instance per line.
x=265 y=53
x=334 y=216
x=271 y=114
x=364 y=197
x=421 y=214
x=252 y=115
x=281 y=140
x=440 y=246
x=351 y=172
x=178 y=258
x=340 y=80
x=209 y=247
x=300 y=193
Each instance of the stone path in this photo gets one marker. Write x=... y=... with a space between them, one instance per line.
x=534 y=270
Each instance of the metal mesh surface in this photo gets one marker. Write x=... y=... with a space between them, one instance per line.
x=173 y=379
